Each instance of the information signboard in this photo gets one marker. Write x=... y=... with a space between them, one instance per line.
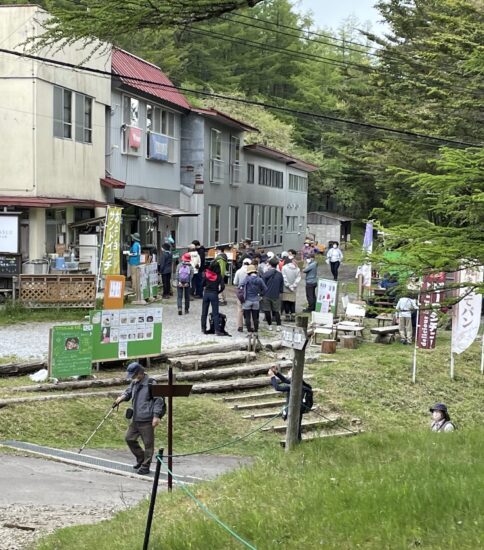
x=148 y=281
x=126 y=333
x=326 y=296
x=293 y=337
x=9 y=233
x=10 y=265
x=70 y=351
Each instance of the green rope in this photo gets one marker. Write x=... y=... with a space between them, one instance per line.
x=228 y=443
x=205 y=509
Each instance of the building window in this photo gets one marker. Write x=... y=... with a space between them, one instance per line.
x=281 y=222
x=263 y=210
x=291 y=224
x=234 y=159
x=131 y=131
x=234 y=224
x=160 y=134
x=62 y=113
x=83 y=118
x=251 y=214
x=270 y=178
x=250 y=173
x=298 y=183
x=214 y=223
x=216 y=162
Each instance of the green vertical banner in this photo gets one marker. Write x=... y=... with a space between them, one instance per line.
x=70 y=351
x=110 y=264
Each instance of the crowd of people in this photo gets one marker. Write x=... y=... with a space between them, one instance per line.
x=263 y=282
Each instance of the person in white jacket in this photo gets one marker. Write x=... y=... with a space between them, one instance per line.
x=334 y=257
x=292 y=277
x=195 y=262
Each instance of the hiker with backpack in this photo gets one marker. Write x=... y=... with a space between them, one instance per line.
x=183 y=278
x=271 y=302
x=145 y=416
x=223 y=262
x=441 y=419
x=166 y=265
x=250 y=294
x=292 y=277
x=239 y=279
x=197 y=283
x=283 y=384
x=213 y=285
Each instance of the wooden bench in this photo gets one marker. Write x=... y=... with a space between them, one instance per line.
x=346 y=327
x=385 y=335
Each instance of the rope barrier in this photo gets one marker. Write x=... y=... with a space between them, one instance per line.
x=205 y=509
x=228 y=443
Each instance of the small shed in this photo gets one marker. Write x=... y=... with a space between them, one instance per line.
x=326 y=227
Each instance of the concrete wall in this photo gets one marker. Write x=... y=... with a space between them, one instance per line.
x=34 y=163
x=324 y=233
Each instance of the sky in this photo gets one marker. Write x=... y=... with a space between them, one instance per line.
x=331 y=13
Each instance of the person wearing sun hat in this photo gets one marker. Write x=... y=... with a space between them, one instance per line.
x=134 y=259
x=441 y=419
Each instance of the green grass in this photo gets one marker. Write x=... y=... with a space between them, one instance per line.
x=17 y=313
x=199 y=423
x=387 y=490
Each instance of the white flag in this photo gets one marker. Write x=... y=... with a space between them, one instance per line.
x=466 y=315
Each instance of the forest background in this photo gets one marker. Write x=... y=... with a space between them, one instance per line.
x=423 y=78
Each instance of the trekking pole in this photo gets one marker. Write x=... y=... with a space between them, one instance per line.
x=111 y=409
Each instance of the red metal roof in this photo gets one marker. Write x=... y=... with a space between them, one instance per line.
x=225 y=119
x=46 y=202
x=283 y=157
x=128 y=65
x=112 y=183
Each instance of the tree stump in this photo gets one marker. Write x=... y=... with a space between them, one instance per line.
x=328 y=346
x=350 y=342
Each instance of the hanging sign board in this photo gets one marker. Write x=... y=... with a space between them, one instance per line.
x=70 y=351
x=126 y=333
x=326 y=296
x=110 y=264
x=9 y=233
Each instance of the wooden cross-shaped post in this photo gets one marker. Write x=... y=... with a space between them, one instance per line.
x=170 y=391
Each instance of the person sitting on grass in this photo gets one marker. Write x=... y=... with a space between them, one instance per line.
x=440 y=419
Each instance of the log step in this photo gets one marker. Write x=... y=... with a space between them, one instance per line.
x=258 y=416
x=313 y=436
x=242 y=396
x=306 y=426
x=259 y=405
x=197 y=362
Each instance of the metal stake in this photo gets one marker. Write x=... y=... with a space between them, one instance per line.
x=154 y=492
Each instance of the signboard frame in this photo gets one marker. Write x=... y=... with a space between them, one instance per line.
x=105 y=350
x=69 y=342
x=330 y=292
x=15 y=249
x=294 y=337
x=18 y=265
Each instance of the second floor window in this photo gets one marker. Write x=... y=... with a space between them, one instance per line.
x=83 y=118
x=130 y=111
x=250 y=173
x=235 y=159
x=160 y=138
x=216 y=162
x=131 y=130
x=62 y=113
x=270 y=178
x=160 y=121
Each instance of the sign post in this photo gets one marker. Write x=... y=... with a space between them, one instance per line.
x=170 y=391
x=296 y=338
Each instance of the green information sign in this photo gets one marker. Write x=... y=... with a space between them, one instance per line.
x=70 y=351
x=126 y=333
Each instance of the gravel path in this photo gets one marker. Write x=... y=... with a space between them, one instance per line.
x=30 y=340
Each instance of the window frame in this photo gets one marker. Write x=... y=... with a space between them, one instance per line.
x=60 y=125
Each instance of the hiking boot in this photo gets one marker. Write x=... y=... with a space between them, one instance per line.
x=204 y=331
x=287 y=318
x=219 y=333
x=137 y=466
x=179 y=312
x=143 y=470
x=278 y=328
x=224 y=303
x=240 y=329
x=186 y=311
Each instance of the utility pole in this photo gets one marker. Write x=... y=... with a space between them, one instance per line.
x=295 y=395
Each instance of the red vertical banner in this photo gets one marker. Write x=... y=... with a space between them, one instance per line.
x=430 y=296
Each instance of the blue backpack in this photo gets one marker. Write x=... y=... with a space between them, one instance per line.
x=184 y=274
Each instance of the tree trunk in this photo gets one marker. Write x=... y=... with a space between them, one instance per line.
x=350 y=342
x=21 y=368
x=328 y=346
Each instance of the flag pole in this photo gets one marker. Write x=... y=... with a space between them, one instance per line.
x=414 y=367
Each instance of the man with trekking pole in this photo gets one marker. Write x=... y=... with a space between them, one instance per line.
x=145 y=416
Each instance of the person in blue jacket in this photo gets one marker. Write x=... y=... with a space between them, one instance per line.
x=311 y=272
x=166 y=266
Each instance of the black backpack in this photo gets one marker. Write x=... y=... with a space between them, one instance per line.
x=307 y=398
x=222 y=319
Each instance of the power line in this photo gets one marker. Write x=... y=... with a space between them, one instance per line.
x=260 y=45
x=288 y=110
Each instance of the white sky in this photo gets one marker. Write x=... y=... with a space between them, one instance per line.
x=331 y=13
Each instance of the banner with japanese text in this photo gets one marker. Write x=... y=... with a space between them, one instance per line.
x=430 y=297
x=466 y=314
x=110 y=264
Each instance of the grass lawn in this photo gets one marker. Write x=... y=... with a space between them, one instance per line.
x=385 y=490
x=11 y=314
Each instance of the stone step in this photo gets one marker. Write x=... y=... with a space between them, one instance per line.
x=258 y=416
x=258 y=405
x=306 y=426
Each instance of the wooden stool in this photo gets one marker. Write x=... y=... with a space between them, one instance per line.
x=349 y=342
x=328 y=346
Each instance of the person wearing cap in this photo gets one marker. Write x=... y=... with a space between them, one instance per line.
x=134 y=259
x=311 y=272
x=145 y=417
x=440 y=419
x=254 y=289
x=239 y=279
x=183 y=278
